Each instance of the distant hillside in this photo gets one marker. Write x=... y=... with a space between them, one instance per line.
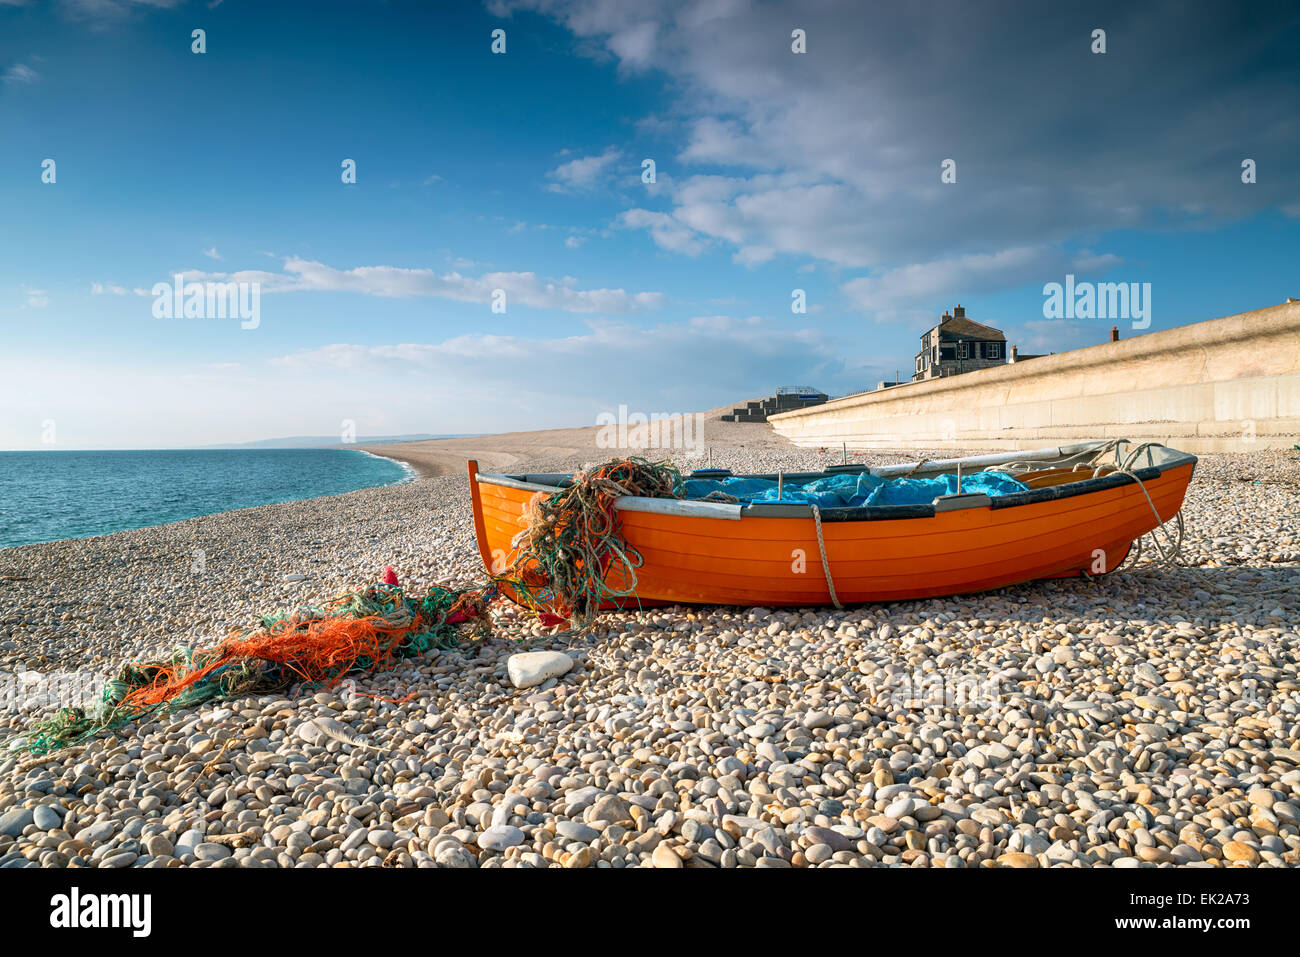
x=330 y=441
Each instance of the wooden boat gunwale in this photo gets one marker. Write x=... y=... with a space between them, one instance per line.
x=1161 y=459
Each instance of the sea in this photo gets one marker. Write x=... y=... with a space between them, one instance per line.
x=51 y=495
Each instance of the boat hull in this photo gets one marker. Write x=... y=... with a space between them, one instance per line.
x=776 y=561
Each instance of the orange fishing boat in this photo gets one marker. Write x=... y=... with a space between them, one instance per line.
x=1083 y=508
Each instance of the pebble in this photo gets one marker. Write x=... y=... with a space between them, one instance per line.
x=159 y=846
x=13 y=822
x=610 y=809
x=98 y=832
x=44 y=817
x=1237 y=851
x=663 y=856
x=1017 y=859
x=825 y=836
x=531 y=668
x=576 y=831
x=500 y=837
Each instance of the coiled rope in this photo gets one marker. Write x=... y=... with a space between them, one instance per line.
x=572 y=559
x=1170 y=554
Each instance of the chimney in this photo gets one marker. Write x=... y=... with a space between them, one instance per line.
x=1114 y=333
x=959 y=312
x=1015 y=353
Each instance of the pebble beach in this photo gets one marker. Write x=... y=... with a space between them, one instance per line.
x=1150 y=719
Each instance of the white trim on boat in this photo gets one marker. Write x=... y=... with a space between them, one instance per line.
x=633 y=503
x=995 y=458
x=683 y=507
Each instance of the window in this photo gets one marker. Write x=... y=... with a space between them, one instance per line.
x=963 y=350
x=995 y=350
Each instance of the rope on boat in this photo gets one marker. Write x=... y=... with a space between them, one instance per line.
x=1172 y=555
x=1169 y=553
x=568 y=560
x=826 y=565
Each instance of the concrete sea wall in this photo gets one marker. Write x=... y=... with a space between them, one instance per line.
x=1230 y=384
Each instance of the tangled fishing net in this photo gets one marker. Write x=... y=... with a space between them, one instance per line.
x=569 y=562
x=359 y=632
x=572 y=558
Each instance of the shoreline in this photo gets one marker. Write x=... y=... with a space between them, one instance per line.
x=410 y=474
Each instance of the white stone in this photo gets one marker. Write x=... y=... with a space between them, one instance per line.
x=530 y=668
x=501 y=815
x=501 y=837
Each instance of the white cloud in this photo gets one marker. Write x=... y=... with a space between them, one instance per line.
x=99 y=12
x=212 y=253
x=940 y=279
x=99 y=289
x=667 y=231
x=609 y=363
x=635 y=45
x=410 y=386
x=1089 y=262
x=929 y=285
x=36 y=298
x=586 y=172
x=835 y=155
x=753 y=255
x=19 y=73
x=394 y=282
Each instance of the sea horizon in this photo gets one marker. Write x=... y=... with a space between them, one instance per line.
x=254 y=446
x=128 y=489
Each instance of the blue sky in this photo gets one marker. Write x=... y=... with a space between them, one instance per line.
x=522 y=172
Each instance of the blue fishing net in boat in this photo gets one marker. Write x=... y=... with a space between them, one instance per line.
x=856 y=489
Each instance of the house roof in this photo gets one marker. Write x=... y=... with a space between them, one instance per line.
x=962 y=328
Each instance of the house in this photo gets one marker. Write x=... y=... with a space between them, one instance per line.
x=957 y=345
